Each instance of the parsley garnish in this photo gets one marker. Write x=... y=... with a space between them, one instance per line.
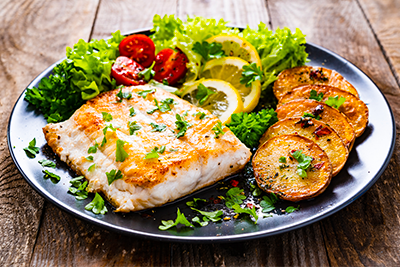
x=201 y=223
x=47 y=163
x=194 y=202
x=209 y=50
x=93 y=149
x=107 y=116
x=250 y=74
x=105 y=129
x=180 y=219
x=92 y=167
x=211 y=215
x=158 y=127
x=218 y=129
x=315 y=96
x=53 y=177
x=251 y=211
x=201 y=115
x=77 y=188
x=165 y=82
x=249 y=127
x=31 y=150
x=268 y=202
x=144 y=93
x=291 y=209
x=203 y=93
x=234 y=196
x=121 y=95
x=282 y=159
x=146 y=74
x=164 y=107
x=304 y=162
x=181 y=125
x=306 y=114
x=133 y=127
x=335 y=102
x=89 y=158
x=132 y=112
x=120 y=153
x=153 y=154
x=97 y=205
x=113 y=175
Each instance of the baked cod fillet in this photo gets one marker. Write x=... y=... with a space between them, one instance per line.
x=143 y=124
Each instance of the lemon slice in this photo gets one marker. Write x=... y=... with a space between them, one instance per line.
x=235 y=46
x=230 y=69
x=222 y=103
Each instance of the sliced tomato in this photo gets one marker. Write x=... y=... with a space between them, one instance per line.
x=126 y=71
x=138 y=47
x=170 y=66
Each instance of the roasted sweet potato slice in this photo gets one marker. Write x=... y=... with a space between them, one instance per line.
x=323 y=135
x=302 y=75
x=323 y=113
x=276 y=170
x=353 y=108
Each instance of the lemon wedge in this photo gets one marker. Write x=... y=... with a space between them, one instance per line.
x=217 y=96
x=235 y=46
x=229 y=69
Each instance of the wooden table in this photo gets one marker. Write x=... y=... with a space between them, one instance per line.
x=34 y=34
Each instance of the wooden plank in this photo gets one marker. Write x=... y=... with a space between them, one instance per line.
x=33 y=35
x=64 y=240
x=362 y=233
x=384 y=19
x=129 y=15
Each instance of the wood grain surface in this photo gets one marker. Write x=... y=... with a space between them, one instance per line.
x=34 y=34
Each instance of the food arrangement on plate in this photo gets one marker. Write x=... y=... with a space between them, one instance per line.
x=148 y=120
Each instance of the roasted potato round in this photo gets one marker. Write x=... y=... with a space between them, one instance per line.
x=323 y=135
x=302 y=75
x=323 y=113
x=276 y=169
x=353 y=108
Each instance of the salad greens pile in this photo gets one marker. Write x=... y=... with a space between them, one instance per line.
x=84 y=74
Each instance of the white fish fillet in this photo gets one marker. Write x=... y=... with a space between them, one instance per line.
x=189 y=163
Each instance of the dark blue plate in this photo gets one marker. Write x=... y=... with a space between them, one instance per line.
x=367 y=161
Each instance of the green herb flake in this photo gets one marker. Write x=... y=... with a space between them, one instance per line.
x=53 y=177
x=180 y=219
x=250 y=74
x=251 y=211
x=306 y=114
x=132 y=112
x=315 y=96
x=304 y=162
x=147 y=73
x=120 y=153
x=282 y=159
x=335 y=102
x=154 y=153
x=200 y=114
x=31 y=150
x=195 y=201
x=268 y=203
x=218 y=129
x=133 y=127
x=291 y=209
x=92 y=167
x=47 y=163
x=203 y=93
x=123 y=95
x=107 y=116
x=93 y=149
x=201 y=223
x=214 y=216
x=97 y=205
x=181 y=125
x=113 y=175
x=234 y=196
x=144 y=93
x=89 y=158
x=208 y=50
x=77 y=188
x=158 y=127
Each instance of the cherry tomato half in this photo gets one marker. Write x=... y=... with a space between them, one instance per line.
x=125 y=71
x=170 y=66
x=138 y=47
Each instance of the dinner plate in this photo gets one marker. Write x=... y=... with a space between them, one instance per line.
x=367 y=161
